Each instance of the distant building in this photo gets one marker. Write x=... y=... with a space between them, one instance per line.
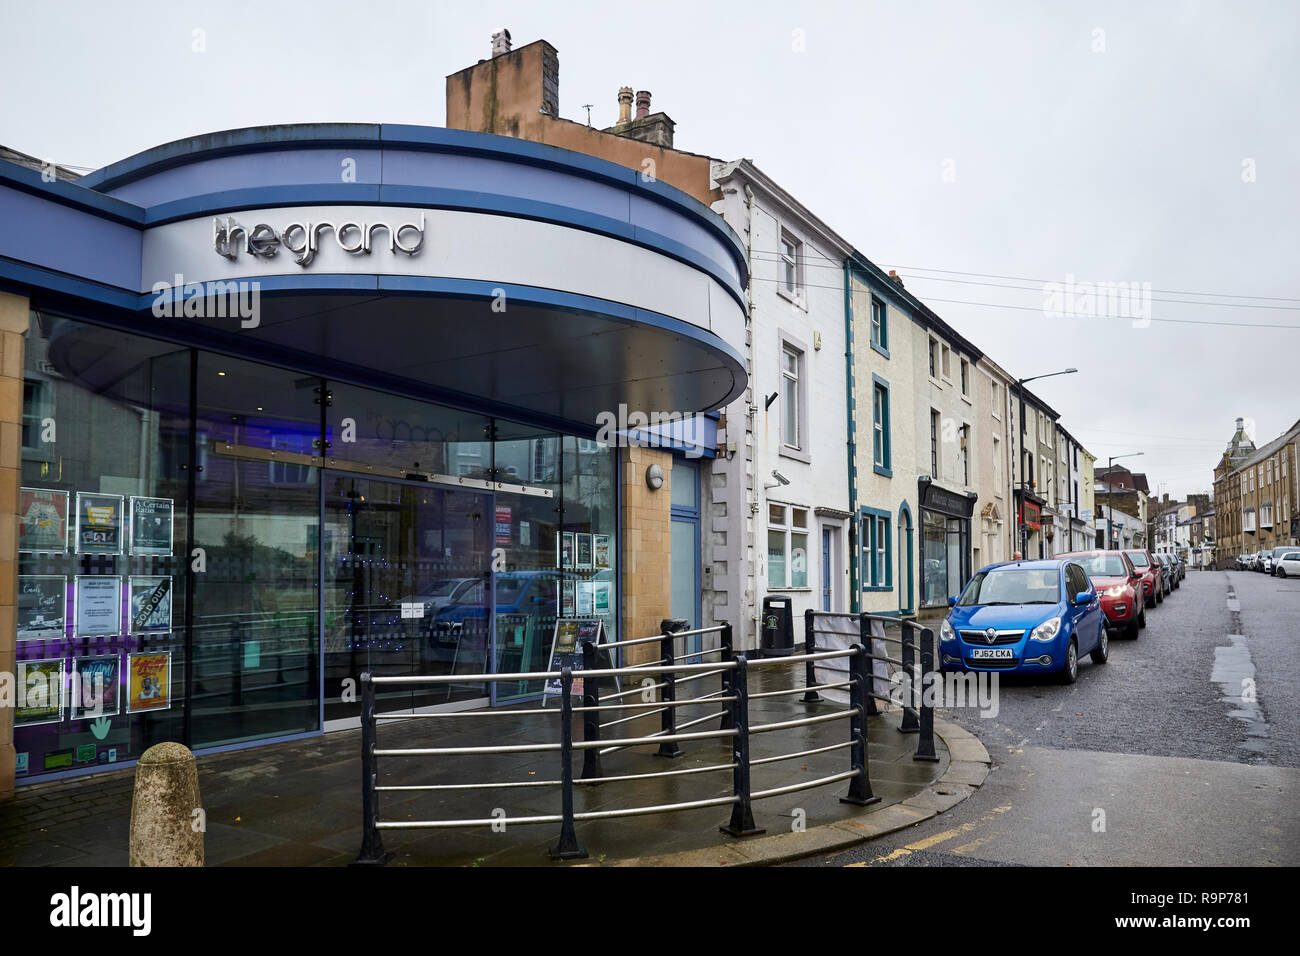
x=1255 y=494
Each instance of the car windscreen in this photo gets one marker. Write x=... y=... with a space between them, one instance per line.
x=1104 y=565
x=1013 y=586
x=1138 y=558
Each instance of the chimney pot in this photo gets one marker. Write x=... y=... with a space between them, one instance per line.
x=500 y=42
x=642 y=104
x=624 y=104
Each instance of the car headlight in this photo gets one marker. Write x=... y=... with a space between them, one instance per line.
x=946 y=633
x=1046 y=631
x=1116 y=591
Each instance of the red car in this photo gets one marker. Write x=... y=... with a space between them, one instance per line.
x=1153 y=584
x=1120 y=585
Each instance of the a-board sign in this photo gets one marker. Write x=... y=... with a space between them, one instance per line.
x=566 y=651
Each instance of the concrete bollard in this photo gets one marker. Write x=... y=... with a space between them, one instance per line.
x=166 y=830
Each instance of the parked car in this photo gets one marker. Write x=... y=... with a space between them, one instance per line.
x=1120 y=586
x=1171 y=568
x=1280 y=550
x=1243 y=561
x=1153 y=591
x=1266 y=563
x=1288 y=563
x=1025 y=617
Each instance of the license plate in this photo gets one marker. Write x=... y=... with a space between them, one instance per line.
x=992 y=653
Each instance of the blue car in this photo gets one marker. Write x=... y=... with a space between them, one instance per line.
x=1025 y=617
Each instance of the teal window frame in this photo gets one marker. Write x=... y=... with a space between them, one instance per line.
x=875 y=578
x=885 y=465
x=878 y=323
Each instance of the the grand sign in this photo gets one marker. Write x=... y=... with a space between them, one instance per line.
x=302 y=239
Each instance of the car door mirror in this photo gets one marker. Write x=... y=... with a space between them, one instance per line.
x=1084 y=597
x=952 y=602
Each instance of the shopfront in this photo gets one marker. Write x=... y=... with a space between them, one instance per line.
x=945 y=542
x=278 y=430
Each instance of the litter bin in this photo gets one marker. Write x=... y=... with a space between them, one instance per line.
x=776 y=636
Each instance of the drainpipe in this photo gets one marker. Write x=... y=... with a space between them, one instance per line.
x=751 y=410
x=853 y=442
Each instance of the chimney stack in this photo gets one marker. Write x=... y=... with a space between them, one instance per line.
x=624 y=105
x=642 y=104
x=500 y=42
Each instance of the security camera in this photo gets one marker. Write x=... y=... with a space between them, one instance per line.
x=780 y=477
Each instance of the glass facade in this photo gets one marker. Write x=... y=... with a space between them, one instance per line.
x=945 y=562
x=213 y=550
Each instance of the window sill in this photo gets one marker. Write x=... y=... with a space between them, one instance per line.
x=772 y=590
x=796 y=298
x=881 y=349
x=796 y=454
x=885 y=472
x=877 y=588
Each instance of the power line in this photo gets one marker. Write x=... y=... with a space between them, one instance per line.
x=832 y=264
x=1041 y=311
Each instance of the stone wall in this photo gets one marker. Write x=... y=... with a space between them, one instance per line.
x=13 y=331
x=647 y=555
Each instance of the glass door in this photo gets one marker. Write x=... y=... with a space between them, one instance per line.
x=408 y=589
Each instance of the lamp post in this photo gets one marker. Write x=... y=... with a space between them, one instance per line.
x=1020 y=393
x=1110 y=511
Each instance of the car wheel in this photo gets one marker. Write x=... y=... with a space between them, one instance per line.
x=1281 y=572
x=1102 y=650
x=1070 y=672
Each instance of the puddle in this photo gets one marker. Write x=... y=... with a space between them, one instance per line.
x=1232 y=667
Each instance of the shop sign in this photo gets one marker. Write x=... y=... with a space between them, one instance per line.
x=949 y=502
x=302 y=239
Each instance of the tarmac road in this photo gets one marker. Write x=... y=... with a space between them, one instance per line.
x=1158 y=757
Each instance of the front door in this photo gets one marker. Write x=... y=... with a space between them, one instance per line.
x=826 y=569
x=408 y=590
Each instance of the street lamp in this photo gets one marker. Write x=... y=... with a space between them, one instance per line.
x=1110 y=511
x=1020 y=392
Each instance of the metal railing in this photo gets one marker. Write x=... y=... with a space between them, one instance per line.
x=916 y=719
x=671 y=673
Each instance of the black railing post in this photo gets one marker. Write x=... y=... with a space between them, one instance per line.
x=859 y=693
x=864 y=635
x=591 y=716
x=567 y=848
x=742 y=811
x=810 y=669
x=372 y=844
x=668 y=719
x=909 y=724
x=925 y=743
x=726 y=639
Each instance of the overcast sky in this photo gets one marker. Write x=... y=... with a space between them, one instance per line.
x=1153 y=142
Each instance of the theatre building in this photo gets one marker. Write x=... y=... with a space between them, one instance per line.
x=279 y=406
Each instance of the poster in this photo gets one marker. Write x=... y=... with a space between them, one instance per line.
x=42 y=607
x=97 y=604
x=568 y=601
x=566 y=651
x=586 y=597
x=151 y=525
x=151 y=604
x=583 y=560
x=150 y=682
x=40 y=692
x=503 y=524
x=601 y=545
x=99 y=523
x=42 y=520
x=601 y=597
x=96 y=687
x=564 y=549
